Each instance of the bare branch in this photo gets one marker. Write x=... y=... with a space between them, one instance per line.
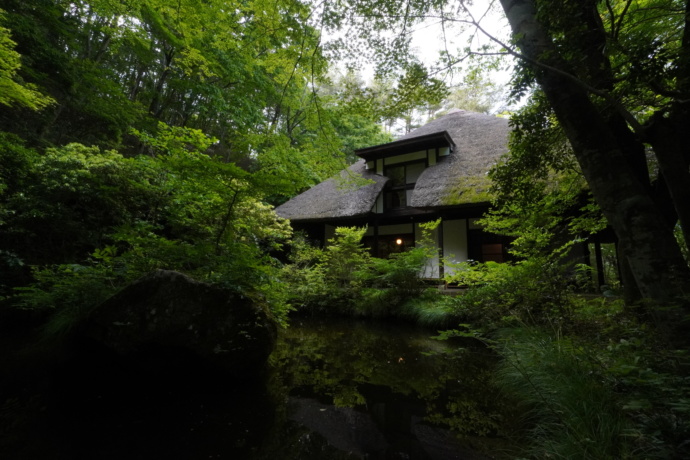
x=629 y=117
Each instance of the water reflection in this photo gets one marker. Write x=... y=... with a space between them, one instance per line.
x=337 y=390
x=362 y=390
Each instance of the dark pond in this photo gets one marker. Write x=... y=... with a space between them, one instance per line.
x=337 y=389
x=353 y=389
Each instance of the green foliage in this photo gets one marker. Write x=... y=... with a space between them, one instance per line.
x=539 y=193
x=416 y=88
x=329 y=278
x=653 y=389
x=15 y=171
x=531 y=291
x=172 y=140
x=357 y=131
x=476 y=93
x=604 y=385
x=13 y=92
x=243 y=73
x=251 y=76
x=70 y=293
x=394 y=285
x=15 y=164
x=568 y=410
x=99 y=220
x=678 y=232
x=593 y=381
x=344 y=278
x=345 y=257
x=66 y=200
x=472 y=274
x=392 y=282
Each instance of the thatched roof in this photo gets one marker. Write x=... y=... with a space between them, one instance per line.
x=460 y=178
x=351 y=193
x=457 y=179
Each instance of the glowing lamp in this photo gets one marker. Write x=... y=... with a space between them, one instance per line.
x=398 y=241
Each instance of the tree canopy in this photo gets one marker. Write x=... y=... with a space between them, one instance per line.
x=244 y=73
x=614 y=80
x=615 y=76
x=606 y=83
x=157 y=134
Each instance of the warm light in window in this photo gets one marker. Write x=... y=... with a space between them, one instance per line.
x=398 y=241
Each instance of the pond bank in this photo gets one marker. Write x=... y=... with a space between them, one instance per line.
x=338 y=389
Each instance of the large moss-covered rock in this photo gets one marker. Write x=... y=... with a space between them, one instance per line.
x=167 y=320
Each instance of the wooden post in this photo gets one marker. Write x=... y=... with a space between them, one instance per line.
x=376 y=236
x=600 y=264
x=439 y=247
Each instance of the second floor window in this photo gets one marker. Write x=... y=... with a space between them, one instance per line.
x=401 y=183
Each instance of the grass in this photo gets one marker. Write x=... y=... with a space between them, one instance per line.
x=431 y=310
x=567 y=406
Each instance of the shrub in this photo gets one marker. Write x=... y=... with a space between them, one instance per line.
x=531 y=291
x=619 y=392
x=569 y=409
x=329 y=279
x=652 y=384
x=99 y=220
x=344 y=278
x=68 y=294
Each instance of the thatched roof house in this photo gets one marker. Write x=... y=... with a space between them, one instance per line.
x=436 y=171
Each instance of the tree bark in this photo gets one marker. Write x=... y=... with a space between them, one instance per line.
x=631 y=294
x=664 y=136
x=654 y=256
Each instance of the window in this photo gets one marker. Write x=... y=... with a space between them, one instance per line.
x=413 y=171
x=394 y=199
x=385 y=245
x=401 y=182
x=485 y=247
x=396 y=174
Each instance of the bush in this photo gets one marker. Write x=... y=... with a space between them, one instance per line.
x=68 y=294
x=90 y=221
x=569 y=409
x=344 y=278
x=618 y=392
x=653 y=385
x=531 y=291
x=329 y=279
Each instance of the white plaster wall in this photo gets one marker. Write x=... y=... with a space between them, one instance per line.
x=404 y=158
x=378 y=206
x=454 y=243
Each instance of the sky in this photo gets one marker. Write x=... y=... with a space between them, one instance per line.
x=428 y=38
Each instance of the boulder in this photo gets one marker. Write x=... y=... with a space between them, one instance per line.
x=166 y=321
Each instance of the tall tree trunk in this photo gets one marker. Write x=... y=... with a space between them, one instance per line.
x=654 y=256
x=155 y=105
x=631 y=294
x=664 y=135
x=668 y=133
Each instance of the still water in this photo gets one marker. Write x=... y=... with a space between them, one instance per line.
x=353 y=389
x=336 y=389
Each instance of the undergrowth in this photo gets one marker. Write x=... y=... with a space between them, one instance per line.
x=569 y=409
x=343 y=277
x=593 y=378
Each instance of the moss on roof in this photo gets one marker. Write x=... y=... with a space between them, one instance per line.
x=468 y=190
x=457 y=179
